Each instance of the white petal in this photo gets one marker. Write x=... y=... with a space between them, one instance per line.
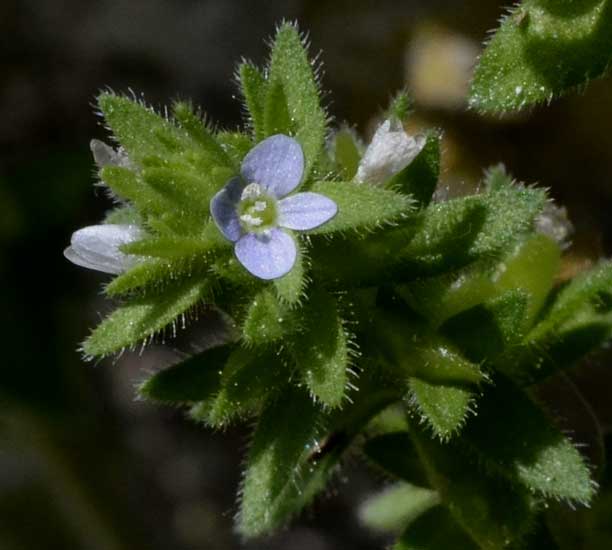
x=97 y=247
x=105 y=155
x=390 y=151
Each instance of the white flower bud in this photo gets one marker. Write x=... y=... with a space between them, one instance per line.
x=389 y=152
x=97 y=247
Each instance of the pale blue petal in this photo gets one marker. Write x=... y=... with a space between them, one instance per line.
x=223 y=207
x=277 y=164
x=268 y=255
x=304 y=211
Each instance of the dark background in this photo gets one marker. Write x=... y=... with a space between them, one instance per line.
x=82 y=464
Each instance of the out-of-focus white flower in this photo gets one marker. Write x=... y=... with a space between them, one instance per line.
x=389 y=152
x=97 y=247
x=105 y=155
x=554 y=223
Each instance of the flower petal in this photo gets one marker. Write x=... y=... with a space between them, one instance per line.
x=97 y=247
x=389 y=152
x=268 y=255
x=223 y=209
x=277 y=163
x=304 y=211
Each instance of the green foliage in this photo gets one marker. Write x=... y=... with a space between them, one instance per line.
x=444 y=407
x=396 y=507
x=280 y=449
x=192 y=380
x=143 y=318
x=409 y=329
x=361 y=207
x=292 y=103
x=322 y=350
x=543 y=49
x=401 y=106
x=493 y=513
x=254 y=90
x=578 y=321
x=526 y=447
x=248 y=379
x=435 y=530
x=290 y=289
x=420 y=177
x=267 y=320
x=346 y=151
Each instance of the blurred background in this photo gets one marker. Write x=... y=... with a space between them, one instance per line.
x=83 y=465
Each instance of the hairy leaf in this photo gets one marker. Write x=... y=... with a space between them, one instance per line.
x=194 y=379
x=144 y=317
x=290 y=67
x=494 y=513
x=249 y=378
x=543 y=49
x=322 y=350
x=361 y=207
x=526 y=447
x=254 y=87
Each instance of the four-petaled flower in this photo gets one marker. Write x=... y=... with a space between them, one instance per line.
x=254 y=210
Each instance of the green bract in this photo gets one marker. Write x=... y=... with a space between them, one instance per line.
x=410 y=329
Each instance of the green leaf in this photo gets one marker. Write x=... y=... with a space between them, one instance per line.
x=445 y=296
x=532 y=268
x=142 y=318
x=444 y=407
x=291 y=288
x=543 y=49
x=420 y=178
x=415 y=350
x=278 y=455
x=361 y=207
x=150 y=275
x=526 y=447
x=124 y=214
x=435 y=530
x=486 y=330
x=127 y=185
x=296 y=449
x=346 y=151
x=578 y=321
x=400 y=107
x=396 y=507
x=236 y=145
x=290 y=68
x=195 y=379
x=322 y=350
x=493 y=512
x=277 y=119
x=248 y=379
x=192 y=122
x=254 y=88
x=139 y=129
x=267 y=320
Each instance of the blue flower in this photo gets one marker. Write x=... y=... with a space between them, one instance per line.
x=255 y=210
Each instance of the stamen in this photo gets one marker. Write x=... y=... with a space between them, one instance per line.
x=251 y=220
x=259 y=206
x=251 y=191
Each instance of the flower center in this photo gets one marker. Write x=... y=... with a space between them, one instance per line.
x=257 y=210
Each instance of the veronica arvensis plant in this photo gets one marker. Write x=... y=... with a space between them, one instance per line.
x=369 y=316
